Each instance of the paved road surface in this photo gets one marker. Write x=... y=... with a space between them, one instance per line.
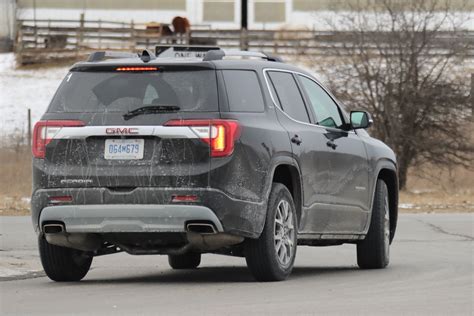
x=431 y=272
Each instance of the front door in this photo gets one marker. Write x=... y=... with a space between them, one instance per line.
x=349 y=169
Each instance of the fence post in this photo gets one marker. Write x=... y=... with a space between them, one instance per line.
x=133 y=41
x=29 y=128
x=472 y=96
x=79 y=36
x=100 y=34
x=19 y=43
x=244 y=41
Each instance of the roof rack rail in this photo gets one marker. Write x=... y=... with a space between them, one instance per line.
x=220 y=54
x=98 y=56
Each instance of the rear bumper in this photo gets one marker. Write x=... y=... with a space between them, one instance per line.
x=127 y=218
x=147 y=209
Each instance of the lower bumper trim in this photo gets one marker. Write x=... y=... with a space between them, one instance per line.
x=113 y=218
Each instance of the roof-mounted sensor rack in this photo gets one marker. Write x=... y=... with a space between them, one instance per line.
x=220 y=54
x=183 y=51
x=207 y=53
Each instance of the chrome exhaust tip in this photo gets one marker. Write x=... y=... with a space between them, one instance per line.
x=53 y=228
x=201 y=228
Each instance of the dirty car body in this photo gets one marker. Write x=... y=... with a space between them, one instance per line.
x=170 y=156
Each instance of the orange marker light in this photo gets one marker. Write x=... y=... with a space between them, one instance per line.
x=219 y=141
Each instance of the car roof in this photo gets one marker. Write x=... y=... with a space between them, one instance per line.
x=232 y=63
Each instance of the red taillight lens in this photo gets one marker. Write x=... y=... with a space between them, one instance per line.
x=219 y=134
x=45 y=131
x=60 y=199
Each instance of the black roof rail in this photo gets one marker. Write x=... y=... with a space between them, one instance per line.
x=220 y=54
x=98 y=56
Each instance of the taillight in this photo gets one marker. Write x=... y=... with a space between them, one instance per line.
x=219 y=134
x=45 y=131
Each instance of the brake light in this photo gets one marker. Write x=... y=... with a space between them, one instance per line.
x=45 y=131
x=219 y=134
x=136 y=69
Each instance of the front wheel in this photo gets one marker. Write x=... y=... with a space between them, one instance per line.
x=272 y=255
x=374 y=251
x=63 y=264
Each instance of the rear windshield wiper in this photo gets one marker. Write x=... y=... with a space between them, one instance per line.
x=151 y=109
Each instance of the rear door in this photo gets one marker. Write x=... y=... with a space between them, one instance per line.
x=112 y=151
x=309 y=148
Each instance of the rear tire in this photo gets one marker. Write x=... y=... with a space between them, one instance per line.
x=272 y=255
x=374 y=251
x=63 y=264
x=189 y=260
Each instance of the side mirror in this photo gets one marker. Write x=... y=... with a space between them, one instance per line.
x=361 y=119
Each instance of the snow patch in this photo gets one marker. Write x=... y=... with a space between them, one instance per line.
x=23 y=89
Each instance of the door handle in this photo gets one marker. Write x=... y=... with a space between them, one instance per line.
x=331 y=144
x=296 y=140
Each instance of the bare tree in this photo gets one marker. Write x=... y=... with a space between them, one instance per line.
x=404 y=64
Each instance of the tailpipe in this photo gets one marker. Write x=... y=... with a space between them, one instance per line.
x=55 y=234
x=55 y=228
x=210 y=242
x=201 y=228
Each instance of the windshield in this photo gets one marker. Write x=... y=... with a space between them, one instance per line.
x=194 y=90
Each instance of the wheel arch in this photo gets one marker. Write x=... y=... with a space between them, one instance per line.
x=286 y=171
x=388 y=174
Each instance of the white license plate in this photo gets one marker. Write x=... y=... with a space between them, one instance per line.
x=130 y=149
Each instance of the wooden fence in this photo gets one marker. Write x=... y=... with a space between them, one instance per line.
x=42 y=40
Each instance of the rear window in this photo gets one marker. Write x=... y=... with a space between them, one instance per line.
x=194 y=90
x=243 y=91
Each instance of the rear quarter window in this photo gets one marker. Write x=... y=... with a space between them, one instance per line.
x=243 y=91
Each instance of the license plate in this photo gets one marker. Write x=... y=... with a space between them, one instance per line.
x=126 y=149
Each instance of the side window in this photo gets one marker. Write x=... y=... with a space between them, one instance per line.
x=327 y=112
x=243 y=91
x=289 y=95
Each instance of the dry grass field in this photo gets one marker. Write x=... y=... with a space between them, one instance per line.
x=429 y=189
x=15 y=184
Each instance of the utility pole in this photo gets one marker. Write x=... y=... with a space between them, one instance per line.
x=244 y=43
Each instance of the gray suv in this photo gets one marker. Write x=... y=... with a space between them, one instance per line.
x=234 y=153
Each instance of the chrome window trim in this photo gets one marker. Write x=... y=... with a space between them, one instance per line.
x=265 y=75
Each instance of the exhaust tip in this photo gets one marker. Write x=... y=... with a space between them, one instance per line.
x=201 y=228
x=53 y=228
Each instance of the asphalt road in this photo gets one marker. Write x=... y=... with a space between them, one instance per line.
x=431 y=272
